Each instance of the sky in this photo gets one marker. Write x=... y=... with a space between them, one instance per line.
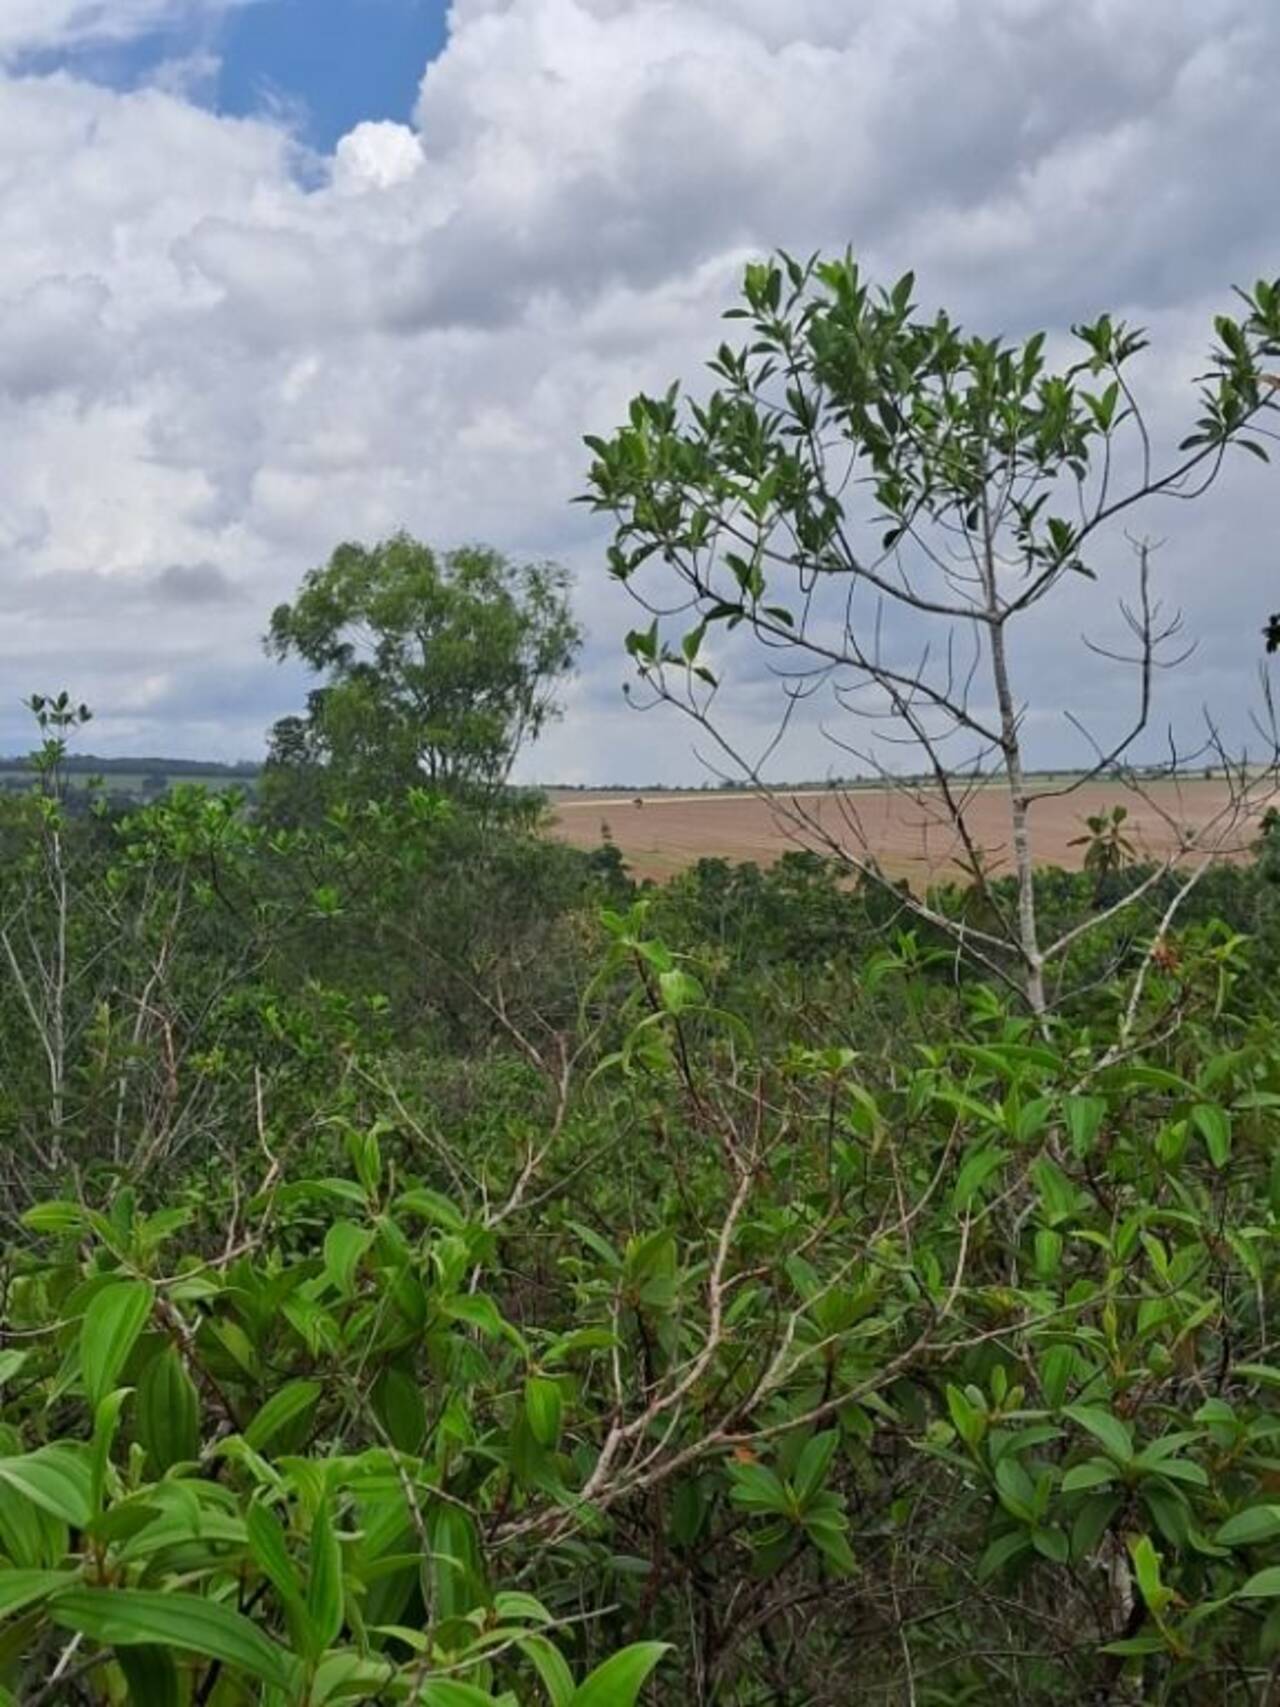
x=280 y=273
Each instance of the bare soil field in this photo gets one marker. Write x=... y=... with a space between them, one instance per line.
x=660 y=834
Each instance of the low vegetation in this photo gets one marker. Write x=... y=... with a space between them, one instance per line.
x=440 y=1269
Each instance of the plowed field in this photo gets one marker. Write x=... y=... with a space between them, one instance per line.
x=660 y=834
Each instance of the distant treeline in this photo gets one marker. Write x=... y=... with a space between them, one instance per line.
x=88 y=764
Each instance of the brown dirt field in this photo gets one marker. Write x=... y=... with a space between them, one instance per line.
x=661 y=834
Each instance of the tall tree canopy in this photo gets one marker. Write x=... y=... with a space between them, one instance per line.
x=437 y=666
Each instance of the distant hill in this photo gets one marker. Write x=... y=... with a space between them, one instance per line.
x=134 y=780
x=89 y=764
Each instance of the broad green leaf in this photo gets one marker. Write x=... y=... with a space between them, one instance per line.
x=975 y=1173
x=399 y=1404
x=1084 y=1115
x=105 y=1423
x=1001 y=1552
x=167 y=1409
x=1214 y=1126
x=130 y=1617
x=815 y=1461
x=1131 y=1645
x=1110 y=1433
x=1093 y=1473
x=1248 y=1528
x=324 y=1582
x=757 y=1488
x=452 y=1692
x=58 y=1478
x=514 y=1606
x=24 y=1588
x=432 y=1206
x=152 y=1676
x=480 y=1311
x=1056 y=1368
x=1051 y=1544
x=1146 y=1567
x=970 y=1423
x=344 y=1245
x=618 y=1682
x=54 y=1217
x=543 y=1406
x=1264 y=1586
x=348 y=1675
x=550 y=1665
x=270 y=1551
x=109 y=1331
x=829 y=1535
x=293 y=1399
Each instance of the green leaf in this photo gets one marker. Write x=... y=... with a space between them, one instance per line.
x=344 y=1245
x=58 y=1479
x=452 y=1692
x=1110 y=1433
x=543 y=1406
x=976 y=1171
x=346 y=1674
x=270 y=1552
x=1093 y=1473
x=1248 y=1528
x=1264 y=1586
x=1056 y=1368
x=1146 y=1567
x=550 y=1665
x=398 y=1402
x=1051 y=1544
x=1001 y=1552
x=167 y=1410
x=24 y=1588
x=105 y=1423
x=324 y=1582
x=54 y=1217
x=432 y=1206
x=130 y=1617
x=1214 y=1126
x=480 y=1311
x=1131 y=1645
x=815 y=1460
x=970 y=1423
x=293 y=1399
x=1084 y=1117
x=618 y=1682
x=756 y=1488
x=829 y=1535
x=109 y=1331
x=152 y=1676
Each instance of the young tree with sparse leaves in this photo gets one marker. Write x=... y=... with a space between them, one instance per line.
x=879 y=498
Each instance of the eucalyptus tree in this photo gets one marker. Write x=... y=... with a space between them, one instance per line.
x=436 y=667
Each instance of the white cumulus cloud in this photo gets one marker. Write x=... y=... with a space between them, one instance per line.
x=218 y=358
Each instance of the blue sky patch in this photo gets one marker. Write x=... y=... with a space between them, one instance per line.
x=323 y=64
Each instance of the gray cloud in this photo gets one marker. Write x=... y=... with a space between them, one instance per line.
x=194 y=584
x=214 y=352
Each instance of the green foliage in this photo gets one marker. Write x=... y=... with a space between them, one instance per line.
x=436 y=669
x=437 y=1271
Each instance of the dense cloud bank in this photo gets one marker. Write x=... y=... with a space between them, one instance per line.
x=220 y=354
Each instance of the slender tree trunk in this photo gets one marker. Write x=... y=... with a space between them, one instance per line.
x=58 y=1003
x=1011 y=750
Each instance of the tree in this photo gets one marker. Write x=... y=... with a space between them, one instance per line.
x=862 y=475
x=437 y=667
